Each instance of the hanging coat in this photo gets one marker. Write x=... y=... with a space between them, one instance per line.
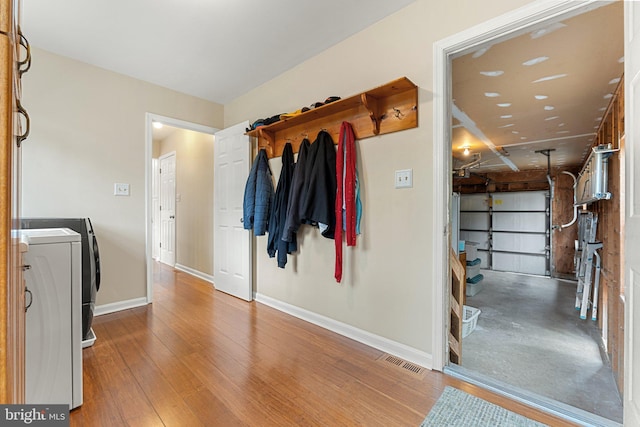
x=278 y=218
x=258 y=195
x=345 y=206
x=294 y=219
x=320 y=181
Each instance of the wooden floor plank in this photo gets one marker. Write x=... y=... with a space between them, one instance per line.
x=200 y=357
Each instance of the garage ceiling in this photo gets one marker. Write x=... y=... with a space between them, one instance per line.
x=546 y=89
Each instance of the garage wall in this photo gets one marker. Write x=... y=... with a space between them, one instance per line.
x=386 y=287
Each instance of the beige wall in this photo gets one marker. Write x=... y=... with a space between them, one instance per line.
x=194 y=194
x=88 y=132
x=387 y=287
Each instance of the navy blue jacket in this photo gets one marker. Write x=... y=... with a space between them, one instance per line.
x=258 y=195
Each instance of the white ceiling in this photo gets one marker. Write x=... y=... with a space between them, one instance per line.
x=541 y=90
x=212 y=49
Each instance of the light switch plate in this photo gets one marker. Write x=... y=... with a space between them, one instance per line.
x=120 y=189
x=404 y=178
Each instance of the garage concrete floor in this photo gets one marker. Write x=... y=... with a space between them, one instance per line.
x=530 y=336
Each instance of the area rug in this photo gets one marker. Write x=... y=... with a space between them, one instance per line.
x=459 y=409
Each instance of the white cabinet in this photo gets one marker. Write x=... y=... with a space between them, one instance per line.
x=53 y=368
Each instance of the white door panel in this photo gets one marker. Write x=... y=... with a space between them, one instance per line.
x=632 y=213
x=232 y=243
x=168 y=209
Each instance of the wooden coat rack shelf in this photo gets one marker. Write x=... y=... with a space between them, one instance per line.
x=385 y=109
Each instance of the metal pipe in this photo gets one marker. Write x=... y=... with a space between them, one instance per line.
x=575 y=208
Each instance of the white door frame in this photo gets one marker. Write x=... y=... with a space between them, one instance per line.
x=518 y=21
x=148 y=153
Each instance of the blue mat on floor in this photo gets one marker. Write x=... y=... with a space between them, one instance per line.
x=456 y=408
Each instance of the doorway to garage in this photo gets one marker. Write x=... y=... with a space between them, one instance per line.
x=512 y=136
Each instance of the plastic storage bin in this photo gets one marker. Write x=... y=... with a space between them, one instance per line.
x=469 y=320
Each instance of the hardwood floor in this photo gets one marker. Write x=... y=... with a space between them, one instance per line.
x=200 y=357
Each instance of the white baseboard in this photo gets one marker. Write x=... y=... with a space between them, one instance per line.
x=193 y=272
x=383 y=344
x=119 y=306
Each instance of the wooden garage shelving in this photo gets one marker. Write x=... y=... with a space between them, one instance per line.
x=385 y=109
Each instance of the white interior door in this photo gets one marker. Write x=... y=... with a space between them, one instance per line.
x=168 y=209
x=231 y=242
x=632 y=213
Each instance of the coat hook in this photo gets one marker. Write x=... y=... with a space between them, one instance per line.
x=397 y=113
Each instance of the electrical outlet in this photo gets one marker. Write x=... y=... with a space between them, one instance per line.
x=404 y=178
x=120 y=189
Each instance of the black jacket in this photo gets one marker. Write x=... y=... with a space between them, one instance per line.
x=279 y=212
x=318 y=205
x=294 y=218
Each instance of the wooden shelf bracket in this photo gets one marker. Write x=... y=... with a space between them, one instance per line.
x=371 y=104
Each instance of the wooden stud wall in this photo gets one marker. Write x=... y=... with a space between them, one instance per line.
x=610 y=231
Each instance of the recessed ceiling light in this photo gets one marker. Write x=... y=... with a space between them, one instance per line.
x=614 y=81
x=492 y=73
x=563 y=131
x=157 y=125
x=608 y=96
x=491 y=94
x=515 y=132
x=547 y=30
x=478 y=53
x=598 y=119
x=535 y=61
x=541 y=97
x=504 y=105
x=552 y=118
x=546 y=79
x=506 y=116
x=523 y=137
x=560 y=124
x=506 y=126
x=602 y=109
x=549 y=107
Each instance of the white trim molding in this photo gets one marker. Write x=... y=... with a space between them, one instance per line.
x=199 y=274
x=119 y=306
x=381 y=343
x=519 y=21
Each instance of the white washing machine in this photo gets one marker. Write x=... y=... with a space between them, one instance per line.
x=53 y=365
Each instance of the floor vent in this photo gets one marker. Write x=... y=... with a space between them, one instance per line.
x=409 y=367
